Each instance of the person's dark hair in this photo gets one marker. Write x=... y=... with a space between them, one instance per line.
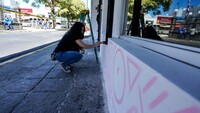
x=150 y=33
x=76 y=29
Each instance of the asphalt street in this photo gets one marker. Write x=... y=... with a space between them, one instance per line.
x=14 y=41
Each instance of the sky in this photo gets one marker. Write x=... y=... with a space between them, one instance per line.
x=176 y=4
x=37 y=10
x=42 y=10
x=23 y=4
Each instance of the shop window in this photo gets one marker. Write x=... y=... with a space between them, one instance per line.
x=173 y=21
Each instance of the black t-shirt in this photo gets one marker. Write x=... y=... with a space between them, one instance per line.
x=68 y=43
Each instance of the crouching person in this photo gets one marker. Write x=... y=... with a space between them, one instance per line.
x=68 y=49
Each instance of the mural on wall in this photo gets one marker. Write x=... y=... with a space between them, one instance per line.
x=133 y=87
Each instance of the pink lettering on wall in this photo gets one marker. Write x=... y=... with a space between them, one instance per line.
x=193 y=109
x=133 y=87
x=158 y=100
x=135 y=69
x=149 y=84
x=141 y=103
x=119 y=75
x=133 y=109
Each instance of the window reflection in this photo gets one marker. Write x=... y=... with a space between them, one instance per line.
x=175 y=21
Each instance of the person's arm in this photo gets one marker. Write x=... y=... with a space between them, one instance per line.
x=86 y=46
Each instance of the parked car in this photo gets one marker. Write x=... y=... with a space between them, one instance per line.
x=61 y=27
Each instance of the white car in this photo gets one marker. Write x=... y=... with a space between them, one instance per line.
x=26 y=24
x=61 y=27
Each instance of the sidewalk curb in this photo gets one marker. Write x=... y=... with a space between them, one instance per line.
x=27 y=30
x=3 y=59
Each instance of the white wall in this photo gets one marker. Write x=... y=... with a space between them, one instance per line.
x=118 y=17
x=104 y=19
x=145 y=76
x=103 y=26
x=93 y=17
x=134 y=86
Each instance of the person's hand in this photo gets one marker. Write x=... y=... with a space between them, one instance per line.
x=98 y=43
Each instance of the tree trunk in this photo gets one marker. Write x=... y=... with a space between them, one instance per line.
x=142 y=21
x=53 y=13
x=67 y=22
x=135 y=24
x=54 y=17
x=54 y=23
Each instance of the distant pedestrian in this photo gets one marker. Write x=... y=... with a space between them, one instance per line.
x=192 y=32
x=5 y=22
x=182 y=32
x=44 y=24
x=48 y=24
x=150 y=33
x=68 y=49
x=10 y=23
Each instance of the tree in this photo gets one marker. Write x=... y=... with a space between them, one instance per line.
x=71 y=9
x=52 y=4
x=148 y=5
x=155 y=5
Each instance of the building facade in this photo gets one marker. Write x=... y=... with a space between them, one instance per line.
x=7 y=5
x=142 y=75
x=193 y=17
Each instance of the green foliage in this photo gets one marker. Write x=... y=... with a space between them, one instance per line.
x=48 y=3
x=67 y=8
x=35 y=3
x=71 y=9
x=26 y=1
x=130 y=9
x=150 y=5
x=154 y=5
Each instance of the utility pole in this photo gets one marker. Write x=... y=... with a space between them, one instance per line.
x=187 y=12
x=1 y=11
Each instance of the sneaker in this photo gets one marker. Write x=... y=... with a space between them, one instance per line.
x=71 y=66
x=66 y=69
x=53 y=56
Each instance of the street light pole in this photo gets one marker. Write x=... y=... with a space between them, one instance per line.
x=198 y=17
x=1 y=12
x=190 y=17
x=174 y=20
x=187 y=12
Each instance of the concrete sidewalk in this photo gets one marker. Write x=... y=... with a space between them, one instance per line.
x=33 y=83
x=27 y=29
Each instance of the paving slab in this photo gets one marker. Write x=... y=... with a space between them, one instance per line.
x=10 y=100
